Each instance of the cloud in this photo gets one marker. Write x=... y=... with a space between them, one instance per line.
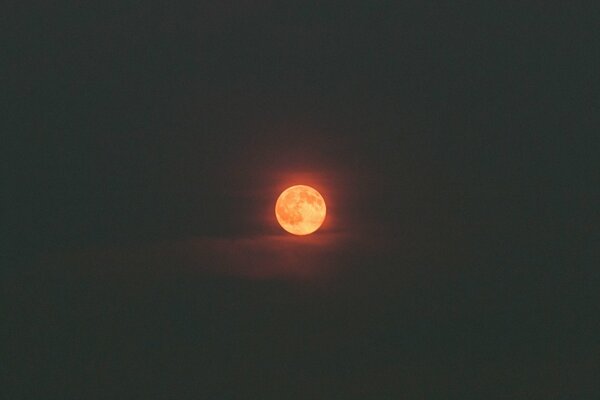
x=283 y=257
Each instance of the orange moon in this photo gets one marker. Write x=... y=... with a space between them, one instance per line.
x=300 y=210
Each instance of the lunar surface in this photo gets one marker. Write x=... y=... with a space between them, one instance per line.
x=300 y=210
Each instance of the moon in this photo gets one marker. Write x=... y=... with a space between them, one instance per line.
x=300 y=210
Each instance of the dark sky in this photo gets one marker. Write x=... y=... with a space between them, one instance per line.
x=455 y=144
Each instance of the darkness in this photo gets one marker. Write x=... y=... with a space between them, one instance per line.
x=456 y=146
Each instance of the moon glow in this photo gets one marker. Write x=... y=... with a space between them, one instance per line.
x=300 y=210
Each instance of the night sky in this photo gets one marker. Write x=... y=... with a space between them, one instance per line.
x=456 y=146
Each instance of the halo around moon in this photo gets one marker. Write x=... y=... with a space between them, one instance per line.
x=300 y=210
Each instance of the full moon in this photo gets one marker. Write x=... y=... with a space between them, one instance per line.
x=300 y=210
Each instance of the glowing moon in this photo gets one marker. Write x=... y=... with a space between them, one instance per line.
x=300 y=210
